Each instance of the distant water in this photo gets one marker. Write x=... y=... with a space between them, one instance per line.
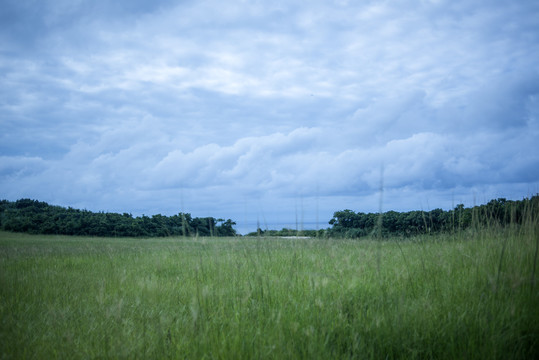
x=251 y=226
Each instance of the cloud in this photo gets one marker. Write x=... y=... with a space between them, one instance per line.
x=140 y=106
x=19 y=166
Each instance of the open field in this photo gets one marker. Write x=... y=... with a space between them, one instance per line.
x=472 y=295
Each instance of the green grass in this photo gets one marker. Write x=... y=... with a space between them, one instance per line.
x=466 y=296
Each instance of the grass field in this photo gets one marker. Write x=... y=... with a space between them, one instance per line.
x=468 y=296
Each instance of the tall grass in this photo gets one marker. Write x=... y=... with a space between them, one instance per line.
x=471 y=295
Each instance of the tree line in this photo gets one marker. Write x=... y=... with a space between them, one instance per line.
x=498 y=212
x=36 y=217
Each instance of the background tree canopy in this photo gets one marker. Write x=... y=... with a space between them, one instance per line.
x=499 y=212
x=38 y=217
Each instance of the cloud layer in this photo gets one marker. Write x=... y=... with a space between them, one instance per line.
x=278 y=111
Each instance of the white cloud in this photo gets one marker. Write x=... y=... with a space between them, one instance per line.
x=136 y=105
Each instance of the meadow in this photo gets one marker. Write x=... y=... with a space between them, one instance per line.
x=470 y=295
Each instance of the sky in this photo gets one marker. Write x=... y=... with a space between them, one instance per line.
x=270 y=113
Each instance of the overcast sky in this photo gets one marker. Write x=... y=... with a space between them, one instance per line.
x=280 y=112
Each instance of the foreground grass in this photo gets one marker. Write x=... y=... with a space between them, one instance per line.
x=468 y=296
